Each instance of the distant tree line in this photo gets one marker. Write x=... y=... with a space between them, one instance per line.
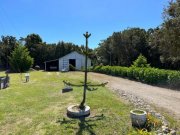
x=40 y=51
x=161 y=45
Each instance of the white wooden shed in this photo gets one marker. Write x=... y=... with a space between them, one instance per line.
x=62 y=64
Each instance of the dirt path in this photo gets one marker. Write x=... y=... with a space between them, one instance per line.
x=160 y=97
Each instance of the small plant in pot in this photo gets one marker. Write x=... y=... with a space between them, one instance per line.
x=138 y=118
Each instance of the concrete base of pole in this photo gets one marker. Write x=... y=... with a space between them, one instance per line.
x=74 y=111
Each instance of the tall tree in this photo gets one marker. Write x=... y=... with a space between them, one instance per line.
x=167 y=38
x=7 y=45
x=153 y=52
x=122 y=48
x=32 y=40
x=20 y=59
x=36 y=47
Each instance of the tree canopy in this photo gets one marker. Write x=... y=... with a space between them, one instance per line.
x=167 y=37
x=161 y=45
x=20 y=60
x=123 y=47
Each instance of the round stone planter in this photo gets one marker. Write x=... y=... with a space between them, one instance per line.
x=138 y=118
x=75 y=112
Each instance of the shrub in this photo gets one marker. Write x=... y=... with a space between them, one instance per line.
x=152 y=122
x=20 y=60
x=174 y=79
x=141 y=61
x=147 y=75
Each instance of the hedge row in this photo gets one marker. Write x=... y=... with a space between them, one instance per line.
x=147 y=75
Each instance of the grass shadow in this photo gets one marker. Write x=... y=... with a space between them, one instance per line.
x=84 y=123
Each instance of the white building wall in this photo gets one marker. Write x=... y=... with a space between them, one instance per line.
x=80 y=61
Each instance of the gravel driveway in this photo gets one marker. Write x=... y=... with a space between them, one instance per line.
x=160 y=97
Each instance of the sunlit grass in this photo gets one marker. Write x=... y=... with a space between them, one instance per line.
x=39 y=107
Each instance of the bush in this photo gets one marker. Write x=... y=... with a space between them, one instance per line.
x=20 y=60
x=147 y=75
x=141 y=61
x=174 y=79
x=152 y=122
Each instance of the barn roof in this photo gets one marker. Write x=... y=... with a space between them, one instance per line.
x=72 y=53
x=51 y=60
x=66 y=56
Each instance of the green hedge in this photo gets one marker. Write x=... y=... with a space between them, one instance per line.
x=146 y=75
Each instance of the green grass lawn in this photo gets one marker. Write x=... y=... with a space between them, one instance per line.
x=38 y=107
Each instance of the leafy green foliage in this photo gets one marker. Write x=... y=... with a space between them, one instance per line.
x=40 y=51
x=152 y=125
x=141 y=61
x=20 y=60
x=7 y=45
x=166 y=39
x=121 y=48
x=147 y=75
x=140 y=132
x=161 y=45
x=152 y=122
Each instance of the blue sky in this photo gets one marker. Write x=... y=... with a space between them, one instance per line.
x=67 y=20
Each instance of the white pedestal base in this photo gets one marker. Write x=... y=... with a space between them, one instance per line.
x=75 y=112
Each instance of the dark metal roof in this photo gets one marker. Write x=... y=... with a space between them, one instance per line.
x=51 y=60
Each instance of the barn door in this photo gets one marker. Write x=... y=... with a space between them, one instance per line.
x=72 y=64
